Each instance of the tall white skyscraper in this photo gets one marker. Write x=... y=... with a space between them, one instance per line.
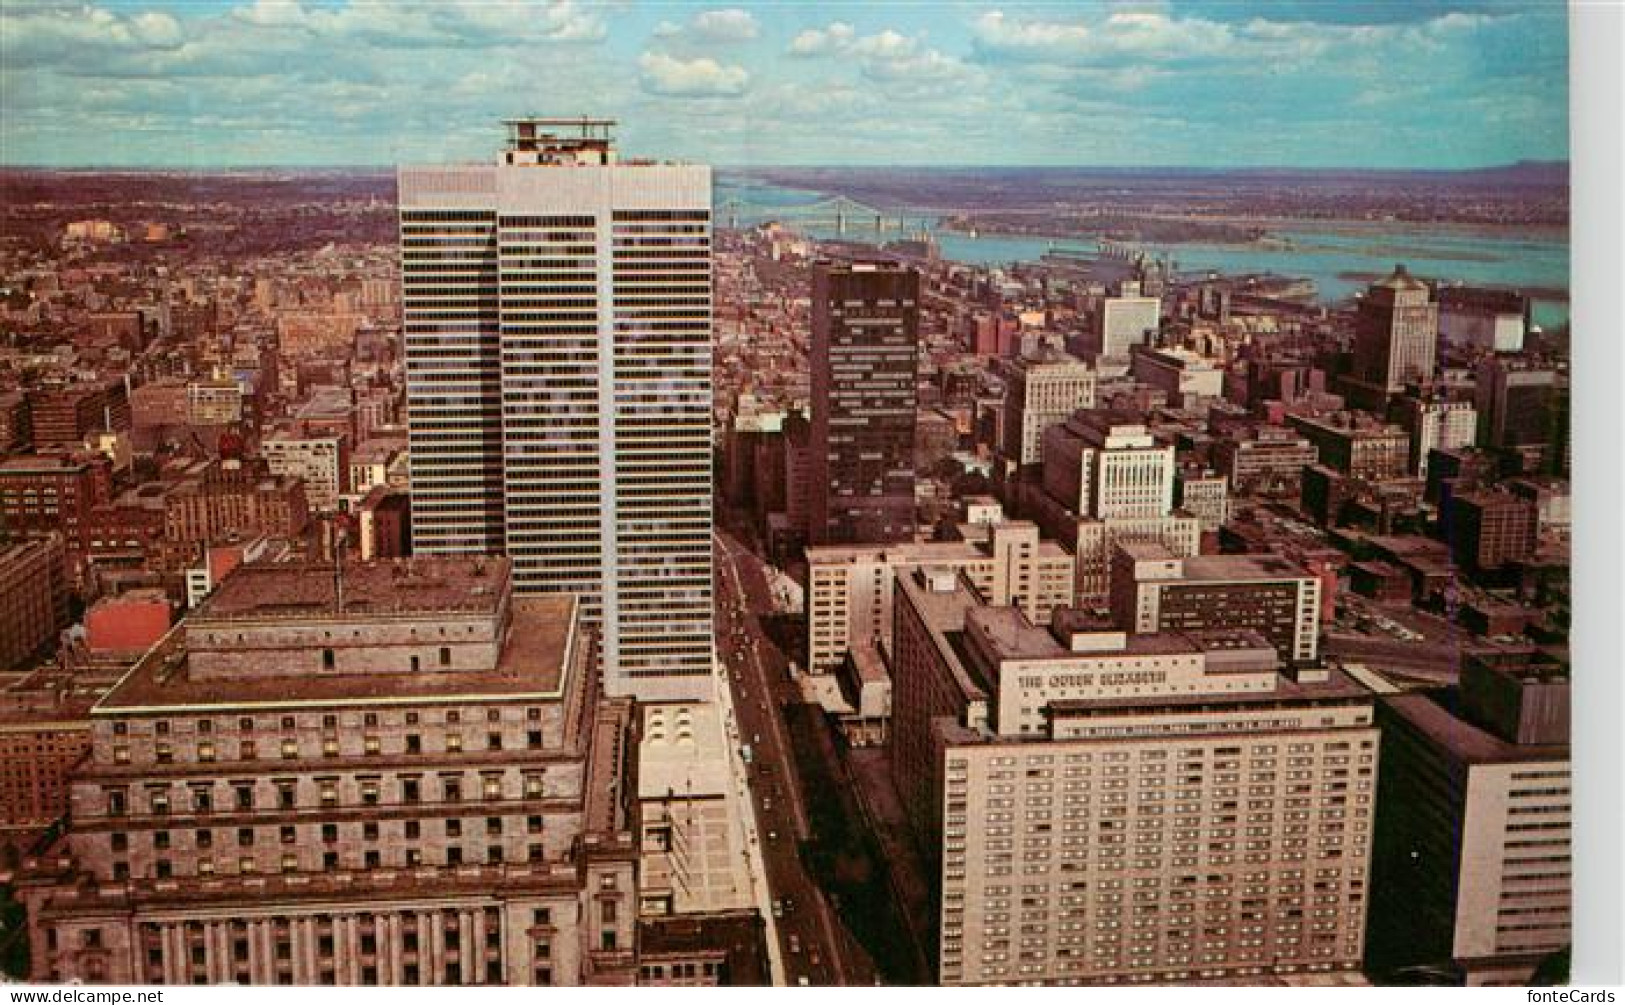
x=557 y=316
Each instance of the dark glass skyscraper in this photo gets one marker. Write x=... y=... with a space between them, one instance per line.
x=865 y=351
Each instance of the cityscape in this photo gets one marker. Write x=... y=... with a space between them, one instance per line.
x=564 y=561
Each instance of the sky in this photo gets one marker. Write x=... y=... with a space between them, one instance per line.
x=1196 y=83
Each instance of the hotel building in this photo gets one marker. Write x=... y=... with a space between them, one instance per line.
x=1109 y=808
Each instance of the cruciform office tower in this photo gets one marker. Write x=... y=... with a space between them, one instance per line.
x=557 y=322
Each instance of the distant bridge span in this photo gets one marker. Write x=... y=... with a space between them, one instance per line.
x=837 y=212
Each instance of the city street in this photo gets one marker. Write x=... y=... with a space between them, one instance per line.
x=815 y=948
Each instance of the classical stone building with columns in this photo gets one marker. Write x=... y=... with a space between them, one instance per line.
x=391 y=773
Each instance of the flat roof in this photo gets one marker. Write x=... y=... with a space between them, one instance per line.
x=257 y=592
x=1242 y=567
x=1338 y=688
x=534 y=662
x=1426 y=713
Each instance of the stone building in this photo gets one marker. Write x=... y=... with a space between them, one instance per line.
x=393 y=773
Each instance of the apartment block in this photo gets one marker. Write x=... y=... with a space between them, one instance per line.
x=1107 y=480
x=391 y=773
x=1109 y=808
x=1269 y=462
x=1357 y=446
x=47 y=493
x=227 y=497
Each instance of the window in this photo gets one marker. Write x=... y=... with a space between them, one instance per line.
x=328 y=660
x=493 y=741
x=245 y=837
x=445 y=656
x=245 y=796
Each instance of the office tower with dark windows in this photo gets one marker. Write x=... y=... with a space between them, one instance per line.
x=865 y=351
x=557 y=312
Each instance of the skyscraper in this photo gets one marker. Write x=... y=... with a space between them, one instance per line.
x=557 y=315
x=865 y=349
x=1396 y=333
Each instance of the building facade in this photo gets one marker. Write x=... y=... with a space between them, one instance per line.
x=1473 y=844
x=1111 y=809
x=388 y=774
x=864 y=360
x=1040 y=393
x=1396 y=333
x=33 y=596
x=557 y=318
x=1155 y=590
x=850 y=589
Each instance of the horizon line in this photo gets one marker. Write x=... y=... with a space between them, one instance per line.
x=1202 y=169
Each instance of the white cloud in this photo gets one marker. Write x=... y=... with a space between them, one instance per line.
x=704 y=77
x=995 y=32
x=730 y=25
x=821 y=42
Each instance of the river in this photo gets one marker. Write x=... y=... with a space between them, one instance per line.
x=1336 y=256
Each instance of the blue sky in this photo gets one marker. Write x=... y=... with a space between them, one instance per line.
x=1208 y=83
